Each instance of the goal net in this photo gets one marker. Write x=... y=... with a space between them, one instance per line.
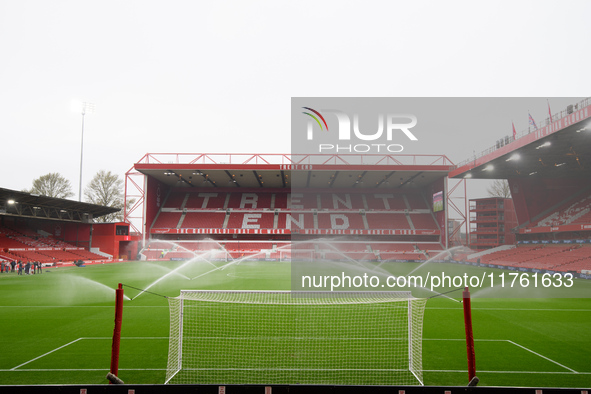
x=296 y=255
x=278 y=337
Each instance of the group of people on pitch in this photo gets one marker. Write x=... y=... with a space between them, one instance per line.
x=30 y=267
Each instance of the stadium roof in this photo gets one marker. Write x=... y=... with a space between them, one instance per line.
x=17 y=203
x=561 y=149
x=287 y=171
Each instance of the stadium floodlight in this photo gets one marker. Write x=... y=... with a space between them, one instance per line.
x=515 y=156
x=489 y=167
x=83 y=108
x=548 y=143
x=11 y=202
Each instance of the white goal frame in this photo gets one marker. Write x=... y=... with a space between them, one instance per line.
x=243 y=327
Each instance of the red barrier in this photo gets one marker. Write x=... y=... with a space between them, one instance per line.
x=469 y=334
x=117 y=330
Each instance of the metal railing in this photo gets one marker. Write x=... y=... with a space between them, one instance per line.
x=546 y=122
x=293 y=159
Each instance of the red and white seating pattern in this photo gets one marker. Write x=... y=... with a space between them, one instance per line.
x=285 y=211
x=27 y=246
x=212 y=212
x=570 y=212
x=550 y=257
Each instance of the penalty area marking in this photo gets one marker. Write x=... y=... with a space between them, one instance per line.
x=513 y=372
x=539 y=355
x=164 y=369
x=70 y=343
x=572 y=371
x=43 y=355
x=514 y=344
x=513 y=309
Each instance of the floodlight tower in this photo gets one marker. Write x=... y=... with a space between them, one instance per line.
x=83 y=108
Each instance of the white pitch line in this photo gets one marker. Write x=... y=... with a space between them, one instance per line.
x=544 y=357
x=109 y=338
x=81 y=306
x=164 y=369
x=166 y=306
x=516 y=309
x=80 y=369
x=427 y=339
x=43 y=355
x=74 y=341
x=509 y=341
x=514 y=372
x=463 y=339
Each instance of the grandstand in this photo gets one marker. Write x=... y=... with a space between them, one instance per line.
x=548 y=169
x=55 y=231
x=372 y=207
x=361 y=207
x=377 y=212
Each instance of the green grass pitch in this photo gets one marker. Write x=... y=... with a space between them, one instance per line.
x=56 y=328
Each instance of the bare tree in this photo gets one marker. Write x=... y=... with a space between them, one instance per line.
x=51 y=185
x=499 y=188
x=106 y=189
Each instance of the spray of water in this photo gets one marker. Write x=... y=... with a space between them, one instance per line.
x=231 y=262
x=205 y=256
x=195 y=254
x=357 y=266
x=80 y=287
x=351 y=263
x=199 y=257
x=438 y=256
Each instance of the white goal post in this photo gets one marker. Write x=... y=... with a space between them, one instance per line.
x=280 y=337
x=297 y=255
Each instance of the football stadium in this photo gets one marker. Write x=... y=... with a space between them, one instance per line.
x=340 y=272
